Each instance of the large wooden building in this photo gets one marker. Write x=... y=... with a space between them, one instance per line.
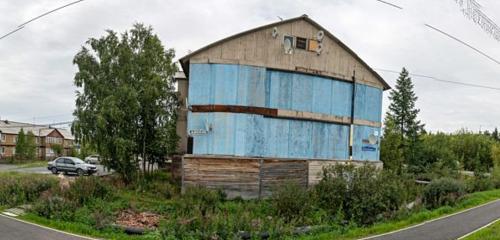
x=275 y=104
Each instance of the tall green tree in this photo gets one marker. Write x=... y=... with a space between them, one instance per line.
x=402 y=120
x=30 y=145
x=21 y=145
x=125 y=105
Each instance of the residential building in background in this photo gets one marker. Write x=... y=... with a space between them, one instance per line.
x=45 y=138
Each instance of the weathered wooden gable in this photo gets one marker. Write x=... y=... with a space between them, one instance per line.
x=258 y=47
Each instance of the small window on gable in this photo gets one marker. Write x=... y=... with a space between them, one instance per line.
x=301 y=43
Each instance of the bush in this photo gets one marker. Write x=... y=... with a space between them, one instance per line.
x=292 y=202
x=202 y=200
x=362 y=194
x=443 y=191
x=54 y=207
x=85 y=189
x=480 y=182
x=157 y=183
x=17 y=189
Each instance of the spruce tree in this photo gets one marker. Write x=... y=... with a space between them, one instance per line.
x=401 y=120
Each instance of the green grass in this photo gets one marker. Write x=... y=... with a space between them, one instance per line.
x=84 y=230
x=490 y=233
x=468 y=201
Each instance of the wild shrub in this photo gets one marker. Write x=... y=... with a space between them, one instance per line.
x=443 y=191
x=17 y=189
x=54 y=207
x=480 y=182
x=85 y=189
x=201 y=199
x=292 y=202
x=362 y=194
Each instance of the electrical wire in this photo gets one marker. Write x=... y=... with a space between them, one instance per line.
x=390 y=4
x=22 y=25
x=462 y=42
x=49 y=12
x=442 y=80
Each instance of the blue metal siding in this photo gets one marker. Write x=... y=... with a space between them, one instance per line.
x=254 y=135
x=362 y=149
x=368 y=103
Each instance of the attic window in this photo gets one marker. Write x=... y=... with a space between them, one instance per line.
x=301 y=43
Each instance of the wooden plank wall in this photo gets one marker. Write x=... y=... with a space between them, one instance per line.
x=277 y=172
x=251 y=178
x=236 y=177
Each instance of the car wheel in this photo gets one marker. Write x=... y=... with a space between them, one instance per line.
x=54 y=170
x=79 y=172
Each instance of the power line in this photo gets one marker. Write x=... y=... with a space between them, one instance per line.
x=49 y=12
x=11 y=32
x=462 y=42
x=21 y=26
x=443 y=80
x=390 y=4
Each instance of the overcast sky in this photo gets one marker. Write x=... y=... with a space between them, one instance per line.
x=36 y=70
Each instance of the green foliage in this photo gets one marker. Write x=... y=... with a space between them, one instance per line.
x=443 y=191
x=391 y=151
x=402 y=126
x=361 y=194
x=25 y=145
x=31 y=146
x=292 y=202
x=86 y=189
x=57 y=148
x=202 y=200
x=17 y=189
x=480 y=182
x=126 y=102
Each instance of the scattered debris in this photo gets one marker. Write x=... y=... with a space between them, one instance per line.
x=135 y=221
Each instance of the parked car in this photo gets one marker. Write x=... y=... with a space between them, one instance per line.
x=93 y=159
x=71 y=164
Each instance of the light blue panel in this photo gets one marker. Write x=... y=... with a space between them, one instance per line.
x=322 y=95
x=200 y=84
x=321 y=143
x=222 y=135
x=225 y=79
x=339 y=138
x=362 y=149
x=202 y=144
x=277 y=133
x=280 y=89
x=300 y=139
x=240 y=134
x=255 y=135
x=256 y=78
x=368 y=103
x=341 y=98
x=302 y=92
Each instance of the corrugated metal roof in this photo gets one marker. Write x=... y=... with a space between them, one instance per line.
x=184 y=61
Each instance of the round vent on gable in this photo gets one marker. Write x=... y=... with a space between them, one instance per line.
x=320 y=35
x=275 y=32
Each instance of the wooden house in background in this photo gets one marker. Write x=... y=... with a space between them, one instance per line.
x=276 y=104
